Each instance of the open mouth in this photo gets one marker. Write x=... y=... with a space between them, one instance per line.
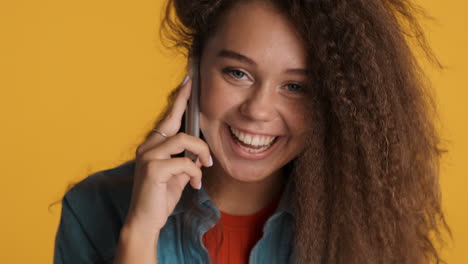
x=250 y=142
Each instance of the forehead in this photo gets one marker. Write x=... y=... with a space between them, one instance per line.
x=258 y=30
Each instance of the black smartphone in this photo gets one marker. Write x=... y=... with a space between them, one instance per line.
x=192 y=112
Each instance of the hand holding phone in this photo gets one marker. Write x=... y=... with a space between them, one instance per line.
x=161 y=174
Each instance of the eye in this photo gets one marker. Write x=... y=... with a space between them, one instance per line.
x=235 y=73
x=294 y=87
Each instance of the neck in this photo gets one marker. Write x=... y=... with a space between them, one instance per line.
x=241 y=198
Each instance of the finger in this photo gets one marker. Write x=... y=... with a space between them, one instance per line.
x=162 y=171
x=171 y=123
x=179 y=180
x=178 y=144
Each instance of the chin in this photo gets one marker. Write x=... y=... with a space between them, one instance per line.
x=248 y=178
x=249 y=175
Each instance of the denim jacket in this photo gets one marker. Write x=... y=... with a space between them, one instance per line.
x=94 y=210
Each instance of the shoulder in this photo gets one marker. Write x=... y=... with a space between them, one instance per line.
x=103 y=192
x=93 y=212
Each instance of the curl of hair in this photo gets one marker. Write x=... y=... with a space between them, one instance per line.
x=372 y=194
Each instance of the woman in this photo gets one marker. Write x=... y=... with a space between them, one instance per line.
x=317 y=146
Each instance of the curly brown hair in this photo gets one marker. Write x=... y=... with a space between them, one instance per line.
x=367 y=185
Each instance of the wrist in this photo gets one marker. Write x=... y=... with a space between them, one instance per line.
x=133 y=231
x=136 y=245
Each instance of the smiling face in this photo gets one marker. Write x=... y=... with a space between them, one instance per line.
x=252 y=102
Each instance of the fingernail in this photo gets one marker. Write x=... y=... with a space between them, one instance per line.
x=186 y=79
x=199 y=186
x=210 y=162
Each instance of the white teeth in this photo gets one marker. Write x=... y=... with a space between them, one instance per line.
x=247 y=139
x=254 y=140
x=251 y=150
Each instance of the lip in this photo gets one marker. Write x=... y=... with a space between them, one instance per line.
x=255 y=134
x=245 y=154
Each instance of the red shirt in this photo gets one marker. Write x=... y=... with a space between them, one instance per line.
x=241 y=233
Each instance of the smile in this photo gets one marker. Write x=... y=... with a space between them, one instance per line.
x=252 y=143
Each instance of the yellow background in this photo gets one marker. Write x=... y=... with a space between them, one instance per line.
x=82 y=81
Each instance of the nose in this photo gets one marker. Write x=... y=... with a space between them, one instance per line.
x=259 y=104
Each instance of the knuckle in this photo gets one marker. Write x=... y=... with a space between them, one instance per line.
x=182 y=136
x=140 y=150
x=187 y=161
x=144 y=156
x=151 y=154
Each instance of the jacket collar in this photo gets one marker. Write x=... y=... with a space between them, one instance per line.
x=202 y=197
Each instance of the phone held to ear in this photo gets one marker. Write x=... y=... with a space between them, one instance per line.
x=192 y=112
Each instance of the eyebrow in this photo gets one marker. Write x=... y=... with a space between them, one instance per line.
x=242 y=58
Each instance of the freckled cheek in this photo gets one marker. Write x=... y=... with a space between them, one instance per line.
x=299 y=126
x=215 y=98
x=296 y=118
x=297 y=134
